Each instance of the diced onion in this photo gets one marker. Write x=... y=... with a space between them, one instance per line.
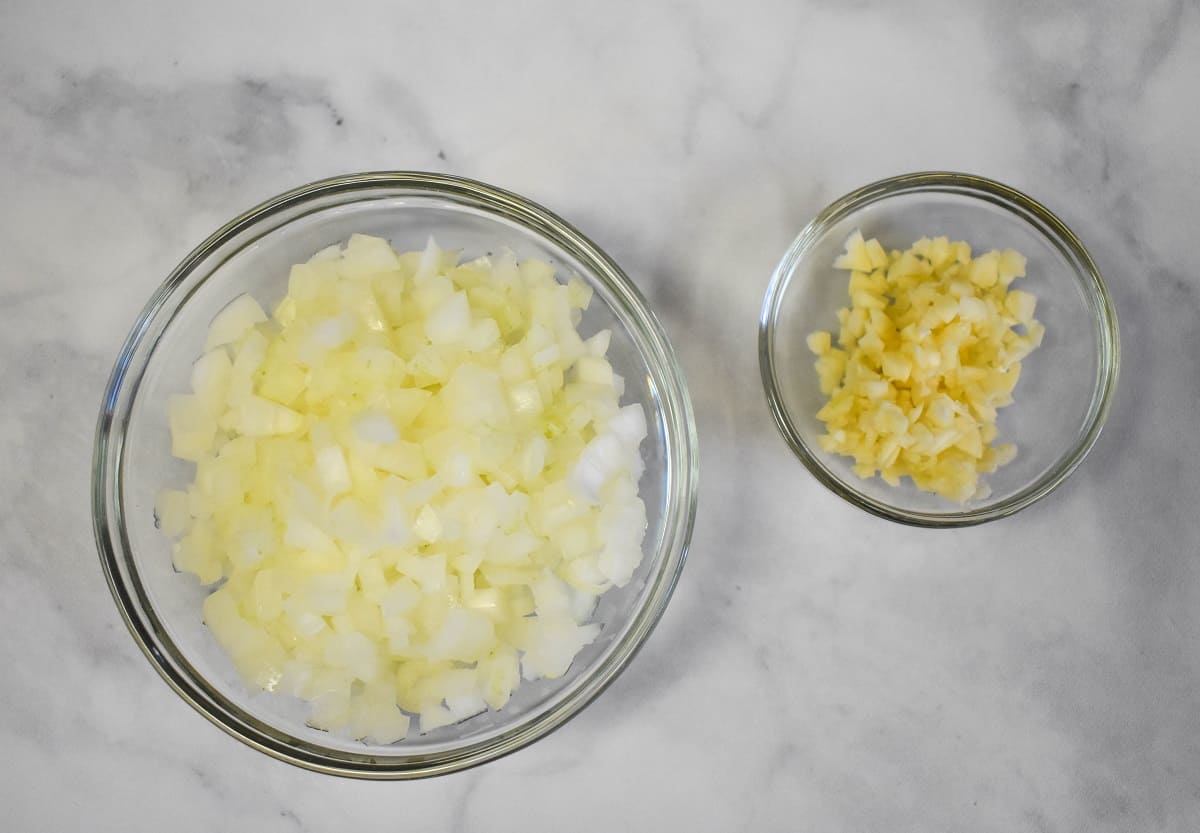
x=416 y=480
x=232 y=322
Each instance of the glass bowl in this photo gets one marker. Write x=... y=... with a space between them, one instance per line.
x=253 y=253
x=1065 y=387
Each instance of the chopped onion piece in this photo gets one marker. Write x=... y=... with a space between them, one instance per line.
x=376 y=428
x=232 y=322
x=210 y=379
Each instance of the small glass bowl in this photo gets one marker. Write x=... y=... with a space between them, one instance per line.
x=253 y=253
x=1066 y=385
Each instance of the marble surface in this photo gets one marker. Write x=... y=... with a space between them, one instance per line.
x=818 y=669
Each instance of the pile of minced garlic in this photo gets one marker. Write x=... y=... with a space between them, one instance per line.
x=928 y=350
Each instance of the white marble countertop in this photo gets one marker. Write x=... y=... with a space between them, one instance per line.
x=818 y=669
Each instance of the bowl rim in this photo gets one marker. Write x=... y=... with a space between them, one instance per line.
x=115 y=550
x=1024 y=208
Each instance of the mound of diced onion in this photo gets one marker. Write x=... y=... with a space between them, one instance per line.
x=929 y=350
x=413 y=481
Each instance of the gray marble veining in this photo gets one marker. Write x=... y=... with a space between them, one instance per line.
x=818 y=669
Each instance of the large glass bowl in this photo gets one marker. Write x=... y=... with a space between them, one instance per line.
x=252 y=253
x=1065 y=387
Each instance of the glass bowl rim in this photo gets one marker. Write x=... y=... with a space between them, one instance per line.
x=115 y=550
x=1020 y=206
